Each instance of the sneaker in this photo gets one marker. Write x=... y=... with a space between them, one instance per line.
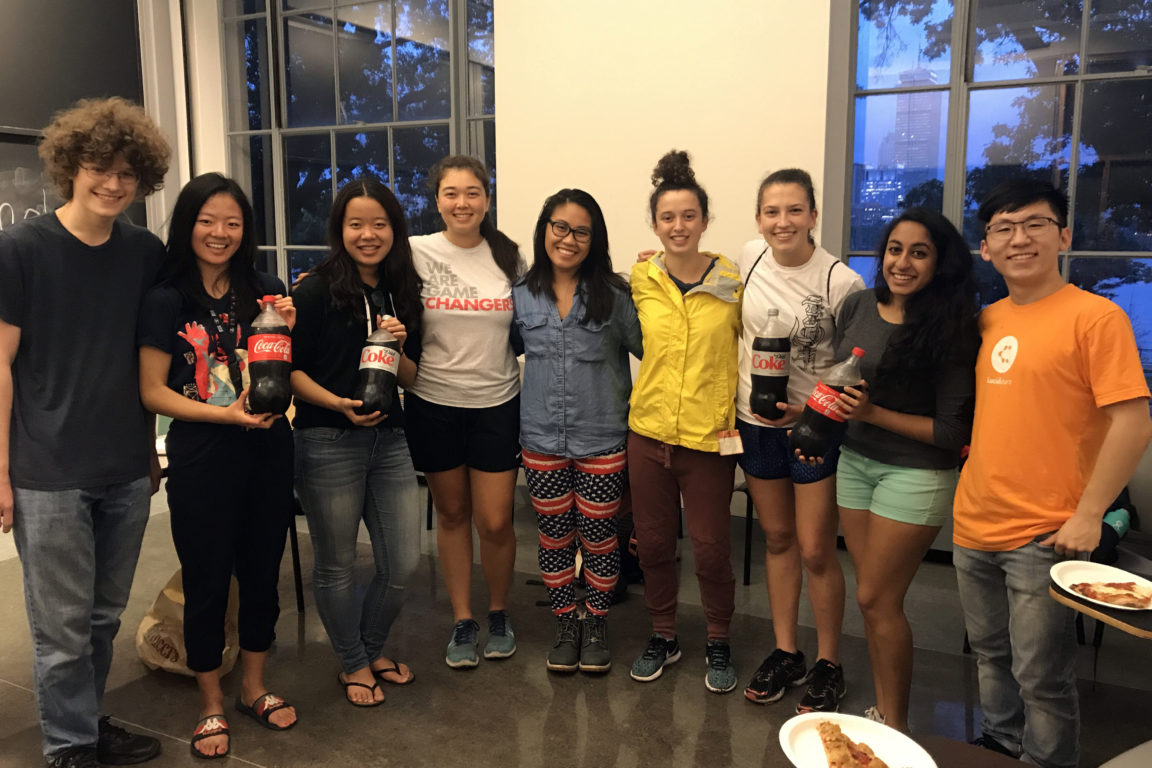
x=462 y=647
x=990 y=743
x=76 y=757
x=594 y=654
x=780 y=671
x=721 y=677
x=565 y=653
x=117 y=746
x=874 y=715
x=825 y=688
x=501 y=638
x=651 y=663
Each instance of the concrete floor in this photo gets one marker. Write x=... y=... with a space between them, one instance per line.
x=514 y=713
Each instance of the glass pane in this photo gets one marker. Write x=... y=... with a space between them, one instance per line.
x=1128 y=282
x=310 y=79
x=251 y=162
x=416 y=151
x=423 y=63
x=1120 y=36
x=481 y=62
x=308 y=186
x=898 y=159
x=903 y=40
x=365 y=44
x=1016 y=39
x=361 y=154
x=1015 y=132
x=266 y=261
x=301 y=260
x=297 y=5
x=1114 y=179
x=247 y=60
x=865 y=266
x=241 y=7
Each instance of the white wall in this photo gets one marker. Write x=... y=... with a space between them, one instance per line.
x=590 y=94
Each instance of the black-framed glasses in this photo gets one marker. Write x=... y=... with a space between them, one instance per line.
x=106 y=174
x=561 y=228
x=1033 y=227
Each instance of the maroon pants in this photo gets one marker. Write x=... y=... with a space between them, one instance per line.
x=660 y=475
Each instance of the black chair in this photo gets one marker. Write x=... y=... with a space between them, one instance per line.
x=294 y=543
x=748 y=510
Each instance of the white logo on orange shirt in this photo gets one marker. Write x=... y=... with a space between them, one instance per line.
x=1004 y=353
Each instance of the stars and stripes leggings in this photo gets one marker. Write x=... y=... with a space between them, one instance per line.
x=577 y=498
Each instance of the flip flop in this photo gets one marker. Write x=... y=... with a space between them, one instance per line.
x=206 y=728
x=346 y=684
x=262 y=708
x=379 y=674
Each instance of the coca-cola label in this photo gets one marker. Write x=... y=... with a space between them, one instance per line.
x=380 y=358
x=769 y=363
x=826 y=401
x=269 y=348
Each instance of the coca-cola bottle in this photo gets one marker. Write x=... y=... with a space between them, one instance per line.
x=770 y=361
x=269 y=361
x=376 y=384
x=821 y=426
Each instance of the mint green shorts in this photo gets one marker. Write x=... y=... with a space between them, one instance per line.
x=905 y=494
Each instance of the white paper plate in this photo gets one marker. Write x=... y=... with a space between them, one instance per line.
x=1072 y=572
x=801 y=742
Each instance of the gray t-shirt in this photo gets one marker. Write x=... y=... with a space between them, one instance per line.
x=77 y=420
x=948 y=399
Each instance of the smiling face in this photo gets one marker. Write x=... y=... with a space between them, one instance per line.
x=462 y=203
x=565 y=253
x=679 y=222
x=104 y=192
x=785 y=219
x=367 y=235
x=218 y=230
x=1027 y=261
x=909 y=260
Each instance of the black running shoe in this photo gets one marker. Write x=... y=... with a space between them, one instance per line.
x=780 y=671
x=825 y=689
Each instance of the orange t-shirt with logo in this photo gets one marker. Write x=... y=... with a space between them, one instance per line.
x=1044 y=372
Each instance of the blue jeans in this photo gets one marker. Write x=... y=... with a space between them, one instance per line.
x=344 y=476
x=1025 y=648
x=78 y=549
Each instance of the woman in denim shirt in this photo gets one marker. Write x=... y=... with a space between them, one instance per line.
x=575 y=323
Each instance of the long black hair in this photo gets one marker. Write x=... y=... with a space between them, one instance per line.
x=940 y=319
x=396 y=271
x=505 y=251
x=595 y=272
x=180 y=268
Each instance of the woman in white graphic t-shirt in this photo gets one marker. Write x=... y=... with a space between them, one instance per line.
x=462 y=401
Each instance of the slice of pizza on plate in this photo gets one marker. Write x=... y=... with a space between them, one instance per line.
x=842 y=752
x=1125 y=594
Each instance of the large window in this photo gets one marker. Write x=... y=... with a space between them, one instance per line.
x=322 y=92
x=950 y=98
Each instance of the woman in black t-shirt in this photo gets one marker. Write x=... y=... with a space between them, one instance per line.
x=229 y=472
x=355 y=467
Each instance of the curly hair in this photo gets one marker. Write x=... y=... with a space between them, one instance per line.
x=674 y=172
x=95 y=131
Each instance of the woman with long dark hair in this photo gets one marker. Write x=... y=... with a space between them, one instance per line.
x=462 y=396
x=353 y=467
x=576 y=322
x=907 y=425
x=229 y=471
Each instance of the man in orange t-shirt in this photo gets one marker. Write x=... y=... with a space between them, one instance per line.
x=1061 y=422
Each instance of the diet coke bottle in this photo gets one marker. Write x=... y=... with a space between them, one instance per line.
x=770 y=360
x=269 y=361
x=821 y=427
x=376 y=385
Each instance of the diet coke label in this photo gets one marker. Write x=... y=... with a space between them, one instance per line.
x=769 y=363
x=380 y=358
x=825 y=401
x=270 y=347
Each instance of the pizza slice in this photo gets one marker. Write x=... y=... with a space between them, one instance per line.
x=842 y=752
x=1126 y=594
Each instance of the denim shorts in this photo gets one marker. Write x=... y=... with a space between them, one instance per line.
x=905 y=494
x=767 y=456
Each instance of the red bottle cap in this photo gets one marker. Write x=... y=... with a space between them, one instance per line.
x=857 y=351
x=269 y=299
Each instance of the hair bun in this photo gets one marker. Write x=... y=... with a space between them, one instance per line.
x=674 y=169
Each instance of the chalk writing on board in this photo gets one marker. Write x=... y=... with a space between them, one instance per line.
x=23 y=195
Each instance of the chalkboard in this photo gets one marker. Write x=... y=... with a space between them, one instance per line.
x=24 y=192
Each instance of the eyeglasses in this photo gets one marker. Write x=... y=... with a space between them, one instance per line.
x=1034 y=227
x=562 y=228
x=124 y=177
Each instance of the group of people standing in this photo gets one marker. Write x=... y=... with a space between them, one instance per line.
x=464 y=303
